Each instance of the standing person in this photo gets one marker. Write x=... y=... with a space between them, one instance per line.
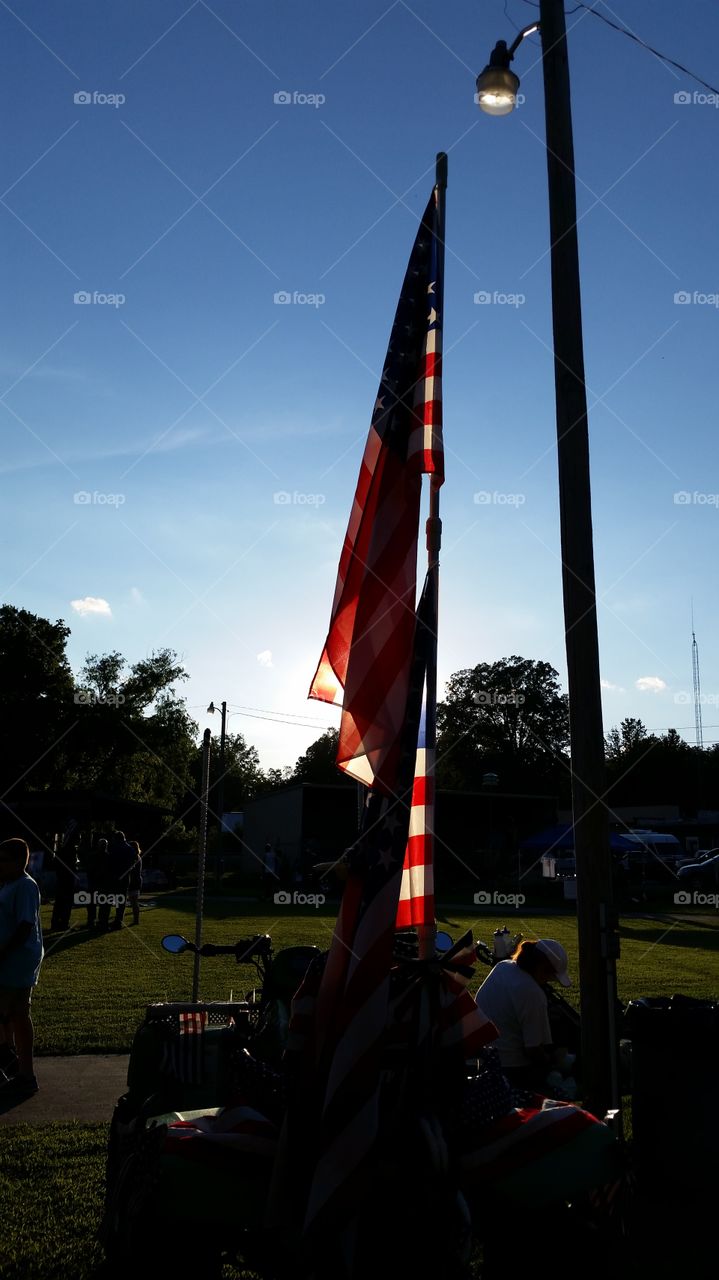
x=134 y=882
x=512 y=996
x=269 y=870
x=65 y=868
x=97 y=876
x=21 y=953
x=122 y=858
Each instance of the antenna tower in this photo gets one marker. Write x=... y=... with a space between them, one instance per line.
x=697 y=687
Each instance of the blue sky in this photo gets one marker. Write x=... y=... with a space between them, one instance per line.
x=183 y=398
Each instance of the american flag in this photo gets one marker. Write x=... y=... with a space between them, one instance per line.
x=182 y=1054
x=416 y=895
x=365 y=661
x=351 y=1013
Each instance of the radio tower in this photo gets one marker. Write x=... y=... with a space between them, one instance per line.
x=697 y=687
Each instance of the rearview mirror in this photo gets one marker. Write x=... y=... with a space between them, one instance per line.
x=443 y=942
x=175 y=943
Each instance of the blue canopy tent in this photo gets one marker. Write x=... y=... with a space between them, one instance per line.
x=560 y=839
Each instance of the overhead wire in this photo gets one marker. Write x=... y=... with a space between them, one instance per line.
x=663 y=57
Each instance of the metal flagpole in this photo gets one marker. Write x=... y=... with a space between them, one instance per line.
x=202 y=858
x=434 y=539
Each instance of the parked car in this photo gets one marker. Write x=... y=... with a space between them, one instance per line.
x=153 y=879
x=701 y=875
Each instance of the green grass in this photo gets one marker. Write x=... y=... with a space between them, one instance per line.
x=93 y=989
x=52 y=1190
x=51 y=1187
x=91 y=997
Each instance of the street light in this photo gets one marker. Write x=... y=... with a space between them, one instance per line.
x=497 y=86
x=596 y=920
x=220 y=796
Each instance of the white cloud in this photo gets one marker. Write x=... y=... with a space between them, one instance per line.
x=265 y=658
x=650 y=684
x=92 y=605
x=612 y=688
x=136 y=596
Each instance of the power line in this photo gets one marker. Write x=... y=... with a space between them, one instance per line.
x=642 y=43
x=288 y=718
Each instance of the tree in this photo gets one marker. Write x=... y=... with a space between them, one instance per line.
x=507 y=717
x=624 y=740
x=643 y=768
x=135 y=738
x=318 y=764
x=243 y=776
x=36 y=701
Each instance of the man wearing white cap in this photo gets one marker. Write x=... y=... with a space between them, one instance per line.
x=512 y=996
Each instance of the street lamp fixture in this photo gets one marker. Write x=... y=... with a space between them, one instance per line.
x=596 y=917
x=497 y=86
x=220 y=784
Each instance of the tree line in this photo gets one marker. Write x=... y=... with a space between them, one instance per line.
x=124 y=729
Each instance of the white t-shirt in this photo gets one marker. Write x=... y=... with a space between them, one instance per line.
x=517 y=1006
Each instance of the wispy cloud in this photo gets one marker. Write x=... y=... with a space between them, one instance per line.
x=91 y=606
x=650 y=684
x=265 y=658
x=168 y=444
x=612 y=688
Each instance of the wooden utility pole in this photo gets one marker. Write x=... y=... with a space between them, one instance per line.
x=201 y=860
x=598 y=939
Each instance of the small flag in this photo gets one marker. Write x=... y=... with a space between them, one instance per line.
x=182 y=1054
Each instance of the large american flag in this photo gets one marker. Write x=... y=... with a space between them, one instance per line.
x=351 y=1012
x=416 y=895
x=365 y=661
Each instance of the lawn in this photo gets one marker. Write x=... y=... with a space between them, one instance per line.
x=91 y=998
x=52 y=1189
x=93 y=989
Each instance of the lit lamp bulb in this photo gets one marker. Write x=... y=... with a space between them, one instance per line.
x=497 y=91
x=497 y=86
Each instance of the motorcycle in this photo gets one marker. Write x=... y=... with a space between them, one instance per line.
x=189 y=1185
x=184 y=1065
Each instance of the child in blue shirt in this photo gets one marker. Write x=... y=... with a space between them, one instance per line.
x=21 y=953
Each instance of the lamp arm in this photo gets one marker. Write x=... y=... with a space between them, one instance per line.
x=527 y=31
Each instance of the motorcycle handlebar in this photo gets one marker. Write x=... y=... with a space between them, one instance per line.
x=246 y=949
x=257 y=947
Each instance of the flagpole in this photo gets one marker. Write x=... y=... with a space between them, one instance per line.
x=434 y=540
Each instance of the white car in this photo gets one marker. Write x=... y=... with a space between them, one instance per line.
x=153 y=879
